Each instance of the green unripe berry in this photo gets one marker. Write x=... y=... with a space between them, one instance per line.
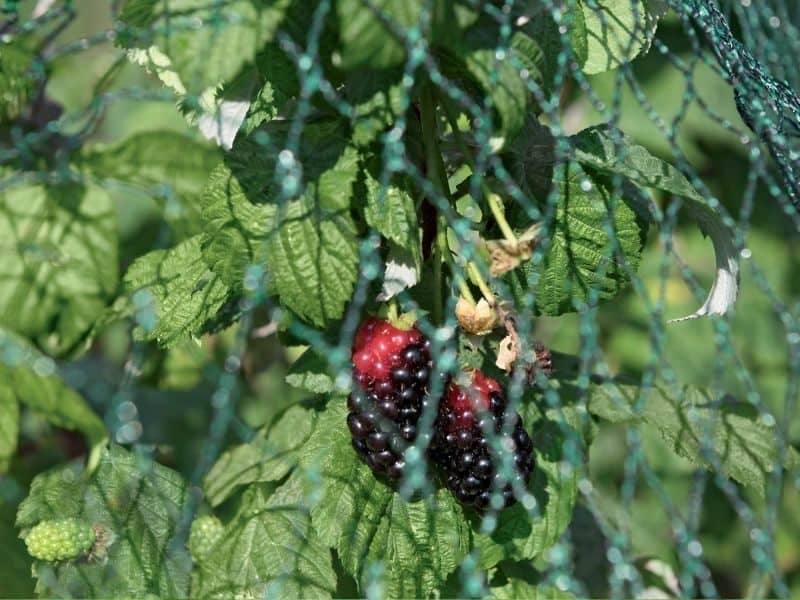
x=58 y=540
x=204 y=534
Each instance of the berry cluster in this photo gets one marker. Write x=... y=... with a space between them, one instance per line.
x=60 y=540
x=392 y=370
x=461 y=447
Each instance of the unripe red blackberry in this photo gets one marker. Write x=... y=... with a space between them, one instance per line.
x=461 y=448
x=391 y=370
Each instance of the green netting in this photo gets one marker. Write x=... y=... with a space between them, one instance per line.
x=202 y=200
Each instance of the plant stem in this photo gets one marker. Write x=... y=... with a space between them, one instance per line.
x=476 y=276
x=466 y=293
x=435 y=170
x=496 y=206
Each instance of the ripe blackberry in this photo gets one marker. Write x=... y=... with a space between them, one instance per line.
x=391 y=370
x=461 y=448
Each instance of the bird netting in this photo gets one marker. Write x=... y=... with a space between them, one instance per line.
x=399 y=298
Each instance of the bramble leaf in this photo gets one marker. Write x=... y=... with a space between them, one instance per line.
x=269 y=549
x=701 y=429
x=596 y=148
x=137 y=503
x=208 y=55
x=175 y=293
x=311 y=373
x=617 y=31
x=262 y=459
x=59 y=267
x=591 y=245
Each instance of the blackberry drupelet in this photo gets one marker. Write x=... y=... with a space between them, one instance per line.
x=391 y=372
x=461 y=448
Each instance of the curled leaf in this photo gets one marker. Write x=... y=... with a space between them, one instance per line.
x=725 y=288
x=506 y=354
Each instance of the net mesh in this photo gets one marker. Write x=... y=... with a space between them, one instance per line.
x=657 y=508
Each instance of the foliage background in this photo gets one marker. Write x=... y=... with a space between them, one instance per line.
x=173 y=389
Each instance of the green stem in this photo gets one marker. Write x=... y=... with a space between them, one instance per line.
x=476 y=276
x=496 y=206
x=466 y=293
x=430 y=140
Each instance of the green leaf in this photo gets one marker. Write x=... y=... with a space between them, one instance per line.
x=263 y=459
x=417 y=543
x=203 y=56
x=596 y=149
x=175 y=293
x=59 y=267
x=377 y=100
x=501 y=80
x=390 y=210
x=542 y=27
x=313 y=259
x=554 y=484
x=690 y=420
x=9 y=427
x=579 y=257
x=30 y=378
x=618 y=31
x=269 y=549
x=308 y=243
x=167 y=159
x=137 y=503
x=367 y=41
x=311 y=373
x=279 y=89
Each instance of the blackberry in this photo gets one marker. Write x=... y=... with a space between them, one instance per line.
x=391 y=372
x=461 y=449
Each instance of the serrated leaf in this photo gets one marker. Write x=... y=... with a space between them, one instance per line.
x=596 y=148
x=269 y=549
x=9 y=427
x=313 y=260
x=403 y=271
x=579 y=259
x=501 y=79
x=311 y=373
x=212 y=53
x=308 y=243
x=175 y=291
x=376 y=97
x=30 y=378
x=554 y=484
x=690 y=419
x=172 y=165
x=367 y=41
x=390 y=210
x=267 y=458
x=416 y=543
x=59 y=268
x=618 y=31
x=138 y=503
